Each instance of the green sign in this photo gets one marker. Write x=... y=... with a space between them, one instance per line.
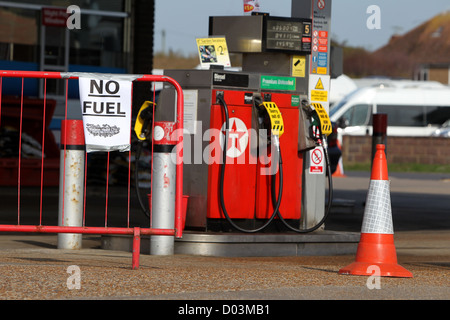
x=278 y=83
x=295 y=101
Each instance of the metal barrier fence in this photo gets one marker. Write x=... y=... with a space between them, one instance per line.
x=35 y=115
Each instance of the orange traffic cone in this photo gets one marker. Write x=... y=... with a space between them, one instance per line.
x=376 y=245
x=339 y=172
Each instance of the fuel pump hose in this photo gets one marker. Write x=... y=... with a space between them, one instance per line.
x=136 y=179
x=222 y=178
x=145 y=116
x=330 y=199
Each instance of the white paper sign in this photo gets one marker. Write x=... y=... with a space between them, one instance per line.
x=106 y=110
x=190 y=111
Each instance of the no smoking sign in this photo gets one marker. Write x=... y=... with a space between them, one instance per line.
x=321 y=4
x=316 y=161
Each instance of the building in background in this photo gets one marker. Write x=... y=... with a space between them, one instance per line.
x=421 y=53
x=115 y=36
x=433 y=71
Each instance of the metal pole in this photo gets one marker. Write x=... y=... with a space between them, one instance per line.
x=136 y=248
x=379 y=134
x=163 y=187
x=313 y=183
x=178 y=139
x=71 y=182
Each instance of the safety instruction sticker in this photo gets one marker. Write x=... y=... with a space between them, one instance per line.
x=276 y=119
x=320 y=58
x=319 y=95
x=298 y=66
x=319 y=87
x=213 y=51
x=316 y=163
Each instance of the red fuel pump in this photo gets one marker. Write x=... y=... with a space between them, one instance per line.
x=250 y=174
x=262 y=200
x=250 y=170
x=256 y=210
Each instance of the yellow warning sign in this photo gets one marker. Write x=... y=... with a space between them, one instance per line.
x=276 y=120
x=317 y=95
x=321 y=70
x=319 y=85
x=298 y=66
x=319 y=89
x=325 y=122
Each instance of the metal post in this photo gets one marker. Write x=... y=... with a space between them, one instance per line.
x=379 y=134
x=163 y=187
x=136 y=248
x=314 y=184
x=71 y=182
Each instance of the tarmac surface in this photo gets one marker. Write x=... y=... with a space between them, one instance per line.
x=32 y=268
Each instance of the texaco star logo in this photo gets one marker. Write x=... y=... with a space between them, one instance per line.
x=237 y=138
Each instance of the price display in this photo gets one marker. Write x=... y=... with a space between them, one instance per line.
x=288 y=35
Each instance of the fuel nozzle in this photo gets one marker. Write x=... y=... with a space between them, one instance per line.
x=143 y=120
x=258 y=104
x=312 y=117
x=308 y=108
x=320 y=124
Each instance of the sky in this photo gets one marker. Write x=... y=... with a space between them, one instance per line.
x=182 y=21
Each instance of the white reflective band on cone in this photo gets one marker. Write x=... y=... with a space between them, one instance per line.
x=377 y=214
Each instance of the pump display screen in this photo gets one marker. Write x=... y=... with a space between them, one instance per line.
x=288 y=35
x=263 y=33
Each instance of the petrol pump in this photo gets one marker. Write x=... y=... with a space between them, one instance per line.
x=247 y=132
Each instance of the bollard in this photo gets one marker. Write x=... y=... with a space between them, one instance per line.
x=163 y=187
x=379 y=132
x=71 y=182
x=136 y=248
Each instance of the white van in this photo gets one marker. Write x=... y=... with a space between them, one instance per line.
x=413 y=108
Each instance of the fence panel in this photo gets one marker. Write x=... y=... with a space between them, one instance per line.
x=31 y=168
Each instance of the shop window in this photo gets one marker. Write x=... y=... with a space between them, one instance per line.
x=19 y=34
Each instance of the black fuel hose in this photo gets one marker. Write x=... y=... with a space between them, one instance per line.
x=222 y=178
x=330 y=199
x=136 y=179
x=147 y=115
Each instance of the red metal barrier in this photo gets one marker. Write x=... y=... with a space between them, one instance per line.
x=42 y=110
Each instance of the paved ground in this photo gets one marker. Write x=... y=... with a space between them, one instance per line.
x=32 y=268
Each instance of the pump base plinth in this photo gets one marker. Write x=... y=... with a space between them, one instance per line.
x=250 y=245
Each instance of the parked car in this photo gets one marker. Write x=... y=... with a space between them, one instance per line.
x=442 y=131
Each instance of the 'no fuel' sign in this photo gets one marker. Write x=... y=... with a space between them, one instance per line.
x=106 y=109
